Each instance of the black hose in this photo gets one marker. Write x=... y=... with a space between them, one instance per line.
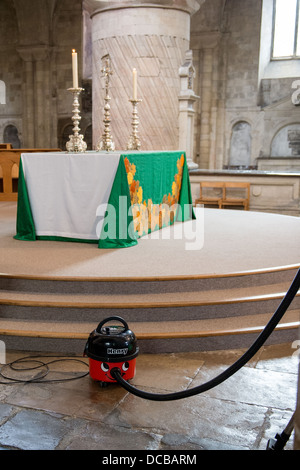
x=285 y=303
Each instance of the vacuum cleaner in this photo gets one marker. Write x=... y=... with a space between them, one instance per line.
x=111 y=347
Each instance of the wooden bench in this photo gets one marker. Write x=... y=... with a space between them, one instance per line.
x=223 y=194
x=5 y=146
x=9 y=171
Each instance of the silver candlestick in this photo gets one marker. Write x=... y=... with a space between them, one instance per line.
x=76 y=143
x=106 y=142
x=134 y=141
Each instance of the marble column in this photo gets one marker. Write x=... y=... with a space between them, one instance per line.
x=152 y=37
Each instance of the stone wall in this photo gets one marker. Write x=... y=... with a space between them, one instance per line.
x=277 y=193
x=36 y=41
x=10 y=70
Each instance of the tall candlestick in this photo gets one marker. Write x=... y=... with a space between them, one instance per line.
x=134 y=75
x=75 y=68
x=134 y=141
x=76 y=143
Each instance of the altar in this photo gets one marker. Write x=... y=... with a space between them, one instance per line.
x=107 y=198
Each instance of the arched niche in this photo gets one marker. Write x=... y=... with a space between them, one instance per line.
x=240 y=145
x=286 y=142
x=11 y=136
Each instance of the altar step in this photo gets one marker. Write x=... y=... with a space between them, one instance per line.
x=167 y=315
x=152 y=337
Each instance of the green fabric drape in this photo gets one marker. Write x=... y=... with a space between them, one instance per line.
x=25 y=225
x=117 y=230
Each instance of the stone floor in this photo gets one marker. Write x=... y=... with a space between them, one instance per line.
x=242 y=413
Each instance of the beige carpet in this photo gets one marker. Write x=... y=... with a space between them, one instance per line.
x=218 y=242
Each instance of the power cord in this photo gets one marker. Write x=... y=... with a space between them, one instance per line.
x=36 y=364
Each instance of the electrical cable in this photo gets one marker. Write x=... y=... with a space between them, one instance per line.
x=40 y=378
x=277 y=316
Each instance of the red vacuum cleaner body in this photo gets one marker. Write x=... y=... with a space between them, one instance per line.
x=111 y=346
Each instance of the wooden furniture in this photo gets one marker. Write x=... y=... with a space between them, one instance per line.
x=211 y=192
x=9 y=170
x=233 y=195
x=222 y=193
x=5 y=146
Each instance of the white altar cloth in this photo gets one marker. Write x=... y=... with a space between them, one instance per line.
x=65 y=191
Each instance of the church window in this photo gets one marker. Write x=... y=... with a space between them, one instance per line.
x=286 y=29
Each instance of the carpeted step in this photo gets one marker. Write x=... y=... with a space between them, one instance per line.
x=147 y=285
x=150 y=335
x=154 y=307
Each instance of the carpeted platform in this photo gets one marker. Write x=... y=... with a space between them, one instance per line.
x=218 y=242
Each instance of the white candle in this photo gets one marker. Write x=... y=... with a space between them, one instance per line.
x=75 y=68
x=134 y=75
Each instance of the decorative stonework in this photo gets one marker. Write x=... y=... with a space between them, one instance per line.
x=98 y=6
x=294 y=141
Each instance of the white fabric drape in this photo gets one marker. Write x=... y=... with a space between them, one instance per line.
x=65 y=191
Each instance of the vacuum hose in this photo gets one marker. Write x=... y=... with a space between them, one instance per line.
x=286 y=301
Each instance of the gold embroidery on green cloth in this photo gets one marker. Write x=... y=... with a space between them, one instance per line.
x=147 y=216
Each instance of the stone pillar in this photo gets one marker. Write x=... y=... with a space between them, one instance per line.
x=28 y=100
x=36 y=93
x=206 y=45
x=151 y=36
x=206 y=145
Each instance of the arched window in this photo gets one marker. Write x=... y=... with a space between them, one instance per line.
x=279 y=39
